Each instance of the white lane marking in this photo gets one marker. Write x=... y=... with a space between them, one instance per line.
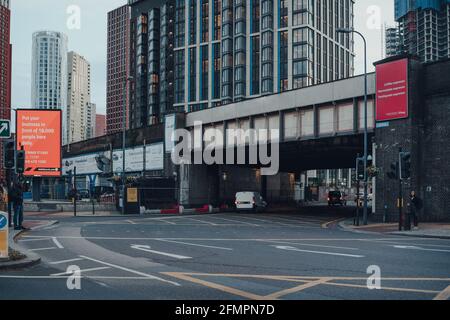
x=313 y=245
x=43 y=249
x=201 y=221
x=237 y=221
x=319 y=252
x=195 y=244
x=420 y=249
x=148 y=249
x=30 y=240
x=401 y=239
x=57 y=243
x=131 y=221
x=164 y=220
x=412 y=244
x=271 y=221
x=83 y=277
x=149 y=276
x=65 y=261
x=81 y=271
x=299 y=221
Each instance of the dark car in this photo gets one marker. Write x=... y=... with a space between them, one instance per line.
x=336 y=198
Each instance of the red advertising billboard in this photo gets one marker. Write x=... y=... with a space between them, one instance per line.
x=39 y=134
x=392 y=90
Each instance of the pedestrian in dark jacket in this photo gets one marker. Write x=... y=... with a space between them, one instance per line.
x=416 y=206
x=17 y=199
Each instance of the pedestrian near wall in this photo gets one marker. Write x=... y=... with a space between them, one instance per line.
x=16 y=197
x=415 y=207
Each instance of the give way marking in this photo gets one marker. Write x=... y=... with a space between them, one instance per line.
x=148 y=249
x=288 y=248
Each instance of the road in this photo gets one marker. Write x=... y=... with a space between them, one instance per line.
x=227 y=256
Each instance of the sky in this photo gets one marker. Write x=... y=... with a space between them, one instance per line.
x=89 y=39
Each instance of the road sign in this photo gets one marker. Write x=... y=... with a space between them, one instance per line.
x=3 y=235
x=5 y=129
x=132 y=195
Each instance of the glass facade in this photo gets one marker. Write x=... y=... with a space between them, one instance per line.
x=225 y=51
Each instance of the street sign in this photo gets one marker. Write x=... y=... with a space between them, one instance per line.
x=3 y=235
x=5 y=129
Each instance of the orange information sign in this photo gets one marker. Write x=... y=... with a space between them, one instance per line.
x=39 y=134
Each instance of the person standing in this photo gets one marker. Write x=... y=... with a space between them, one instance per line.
x=17 y=200
x=416 y=206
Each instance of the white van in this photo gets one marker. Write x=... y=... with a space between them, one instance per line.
x=249 y=201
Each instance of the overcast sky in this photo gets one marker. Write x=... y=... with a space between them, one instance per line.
x=90 y=39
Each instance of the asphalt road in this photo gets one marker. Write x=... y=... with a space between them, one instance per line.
x=227 y=256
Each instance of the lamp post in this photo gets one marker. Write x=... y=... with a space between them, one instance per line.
x=348 y=31
x=124 y=133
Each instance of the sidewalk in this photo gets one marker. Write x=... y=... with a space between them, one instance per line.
x=426 y=230
x=19 y=257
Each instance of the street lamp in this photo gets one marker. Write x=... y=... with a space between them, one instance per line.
x=124 y=133
x=348 y=31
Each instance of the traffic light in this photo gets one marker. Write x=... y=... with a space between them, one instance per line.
x=393 y=174
x=360 y=168
x=405 y=165
x=9 y=152
x=20 y=161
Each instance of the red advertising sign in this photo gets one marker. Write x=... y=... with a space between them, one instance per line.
x=39 y=134
x=392 y=90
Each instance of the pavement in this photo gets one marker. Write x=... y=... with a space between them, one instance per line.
x=20 y=257
x=425 y=230
x=300 y=255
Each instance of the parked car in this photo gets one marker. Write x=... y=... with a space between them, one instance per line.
x=250 y=201
x=336 y=198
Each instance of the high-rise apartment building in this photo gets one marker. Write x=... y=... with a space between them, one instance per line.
x=151 y=61
x=392 y=41
x=424 y=28
x=100 y=125
x=5 y=70
x=231 y=50
x=188 y=55
x=49 y=74
x=117 y=68
x=80 y=110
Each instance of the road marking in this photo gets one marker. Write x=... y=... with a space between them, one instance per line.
x=57 y=243
x=148 y=249
x=382 y=288
x=204 y=222
x=402 y=239
x=133 y=271
x=298 y=221
x=65 y=261
x=43 y=249
x=326 y=224
x=313 y=245
x=216 y=286
x=242 y=222
x=84 y=270
x=195 y=244
x=443 y=295
x=30 y=240
x=319 y=252
x=296 y=289
x=420 y=249
x=164 y=220
x=131 y=221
